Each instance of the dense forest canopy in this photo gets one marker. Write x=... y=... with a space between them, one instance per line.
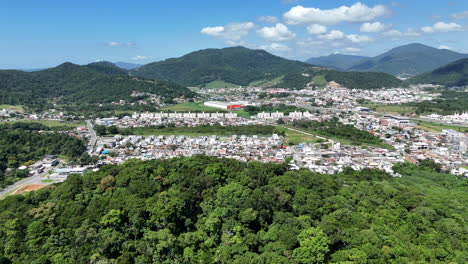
x=237 y=65
x=351 y=80
x=21 y=143
x=453 y=74
x=208 y=210
x=74 y=84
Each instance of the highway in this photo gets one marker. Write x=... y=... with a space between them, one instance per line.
x=35 y=179
x=93 y=137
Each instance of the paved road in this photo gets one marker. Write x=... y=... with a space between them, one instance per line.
x=35 y=179
x=93 y=139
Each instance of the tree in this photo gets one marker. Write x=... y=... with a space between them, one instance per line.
x=313 y=246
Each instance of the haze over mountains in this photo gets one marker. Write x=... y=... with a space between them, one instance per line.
x=405 y=61
x=337 y=61
x=106 y=82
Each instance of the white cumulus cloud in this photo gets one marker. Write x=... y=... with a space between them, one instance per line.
x=351 y=50
x=316 y=29
x=268 y=19
x=140 y=57
x=275 y=47
x=442 y=27
x=332 y=35
x=459 y=16
x=445 y=47
x=373 y=27
x=359 y=39
x=396 y=34
x=233 y=31
x=121 y=44
x=277 y=33
x=356 y=13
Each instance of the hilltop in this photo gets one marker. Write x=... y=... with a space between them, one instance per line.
x=235 y=65
x=203 y=210
x=337 y=61
x=408 y=60
x=100 y=82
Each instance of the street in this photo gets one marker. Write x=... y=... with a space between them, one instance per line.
x=35 y=179
x=93 y=137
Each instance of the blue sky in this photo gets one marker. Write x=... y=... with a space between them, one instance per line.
x=45 y=33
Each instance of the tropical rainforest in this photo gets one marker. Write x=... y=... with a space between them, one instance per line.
x=208 y=210
x=74 y=84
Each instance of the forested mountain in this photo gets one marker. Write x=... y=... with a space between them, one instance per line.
x=353 y=80
x=453 y=74
x=70 y=83
x=208 y=210
x=107 y=68
x=337 y=61
x=408 y=60
x=236 y=65
x=127 y=65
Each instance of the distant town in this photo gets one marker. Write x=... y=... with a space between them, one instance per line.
x=401 y=136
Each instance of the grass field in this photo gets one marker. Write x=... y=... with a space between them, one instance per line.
x=49 y=123
x=18 y=108
x=437 y=127
x=266 y=82
x=319 y=80
x=191 y=106
x=220 y=84
x=294 y=138
x=397 y=109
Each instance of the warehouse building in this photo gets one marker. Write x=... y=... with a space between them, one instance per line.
x=224 y=105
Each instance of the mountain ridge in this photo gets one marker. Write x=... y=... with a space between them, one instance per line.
x=337 y=61
x=100 y=82
x=237 y=65
x=452 y=74
x=408 y=60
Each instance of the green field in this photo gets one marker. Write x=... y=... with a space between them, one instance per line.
x=294 y=138
x=437 y=127
x=319 y=80
x=397 y=109
x=191 y=106
x=220 y=84
x=18 y=108
x=49 y=123
x=266 y=82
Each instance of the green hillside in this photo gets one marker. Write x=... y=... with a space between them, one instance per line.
x=208 y=210
x=352 y=80
x=107 y=68
x=408 y=60
x=453 y=74
x=71 y=83
x=236 y=65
